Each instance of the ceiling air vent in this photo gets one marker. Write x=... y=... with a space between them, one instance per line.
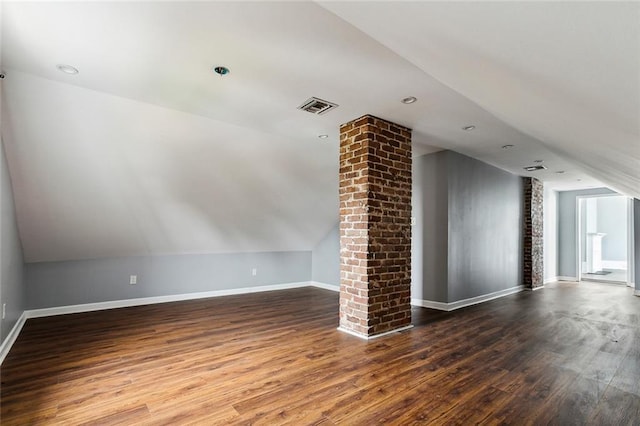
x=317 y=106
x=535 y=168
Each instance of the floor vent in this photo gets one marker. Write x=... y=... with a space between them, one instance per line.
x=535 y=168
x=317 y=106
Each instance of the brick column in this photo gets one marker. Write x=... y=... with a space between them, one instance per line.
x=533 y=269
x=375 y=226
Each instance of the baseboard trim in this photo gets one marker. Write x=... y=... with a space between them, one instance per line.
x=325 y=286
x=637 y=292
x=8 y=342
x=551 y=280
x=431 y=304
x=99 y=306
x=442 y=306
x=375 y=336
x=561 y=278
x=89 y=307
x=534 y=288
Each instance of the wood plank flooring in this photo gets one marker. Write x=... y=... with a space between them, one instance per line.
x=566 y=355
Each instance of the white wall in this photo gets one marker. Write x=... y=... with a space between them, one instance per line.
x=612 y=220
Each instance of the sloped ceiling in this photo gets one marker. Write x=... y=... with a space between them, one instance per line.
x=565 y=73
x=146 y=151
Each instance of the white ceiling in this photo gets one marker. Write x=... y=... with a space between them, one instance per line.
x=146 y=151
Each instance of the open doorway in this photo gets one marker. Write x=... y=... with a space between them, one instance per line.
x=603 y=239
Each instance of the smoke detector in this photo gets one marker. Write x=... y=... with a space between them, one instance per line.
x=317 y=106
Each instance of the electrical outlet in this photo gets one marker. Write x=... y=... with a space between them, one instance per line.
x=133 y=279
x=4 y=310
x=254 y=272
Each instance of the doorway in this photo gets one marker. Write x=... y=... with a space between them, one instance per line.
x=603 y=239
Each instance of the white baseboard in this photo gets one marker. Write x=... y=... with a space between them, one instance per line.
x=551 y=280
x=442 y=306
x=637 y=292
x=560 y=278
x=534 y=288
x=12 y=336
x=88 y=307
x=375 y=336
x=325 y=286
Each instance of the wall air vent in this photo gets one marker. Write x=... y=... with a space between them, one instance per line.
x=535 y=168
x=317 y=106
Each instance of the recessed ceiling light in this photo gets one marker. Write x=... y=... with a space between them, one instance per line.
x=323 y=136
x=538 y=161
x=507 y=146
x=67 y=69
x=468 y=128
x=409 y=100
x=221 y=70
x=560 y=172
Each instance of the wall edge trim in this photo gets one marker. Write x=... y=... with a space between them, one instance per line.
x=375 y=336
x=8 y=342
x=125 y=303
x=534 y=288
x=561 y=278
x=452 y=306
x=325 y=286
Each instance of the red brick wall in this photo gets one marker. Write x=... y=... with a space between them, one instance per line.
x=533 y=266
x=375 y=226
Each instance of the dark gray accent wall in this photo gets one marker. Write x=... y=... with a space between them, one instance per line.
x=468 y=230
x=567 y=204
x=51 y=284
x=325 y=258
x=485 y=228
x=11 y=268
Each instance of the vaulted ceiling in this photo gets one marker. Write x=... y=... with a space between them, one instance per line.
x=147 y=151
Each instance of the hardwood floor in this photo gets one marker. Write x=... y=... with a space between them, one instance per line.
x=568 y=354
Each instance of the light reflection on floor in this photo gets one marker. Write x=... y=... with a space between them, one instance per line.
x=619 y=275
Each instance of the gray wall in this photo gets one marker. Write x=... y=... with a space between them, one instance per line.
x=51 y=284
x=430 y=233
x=612 y=220
x=636 y=242
x=550 y=234
x=467 y=240
x=11 y=285
x=567 y=229
x=485 y=228
x=325 y=258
